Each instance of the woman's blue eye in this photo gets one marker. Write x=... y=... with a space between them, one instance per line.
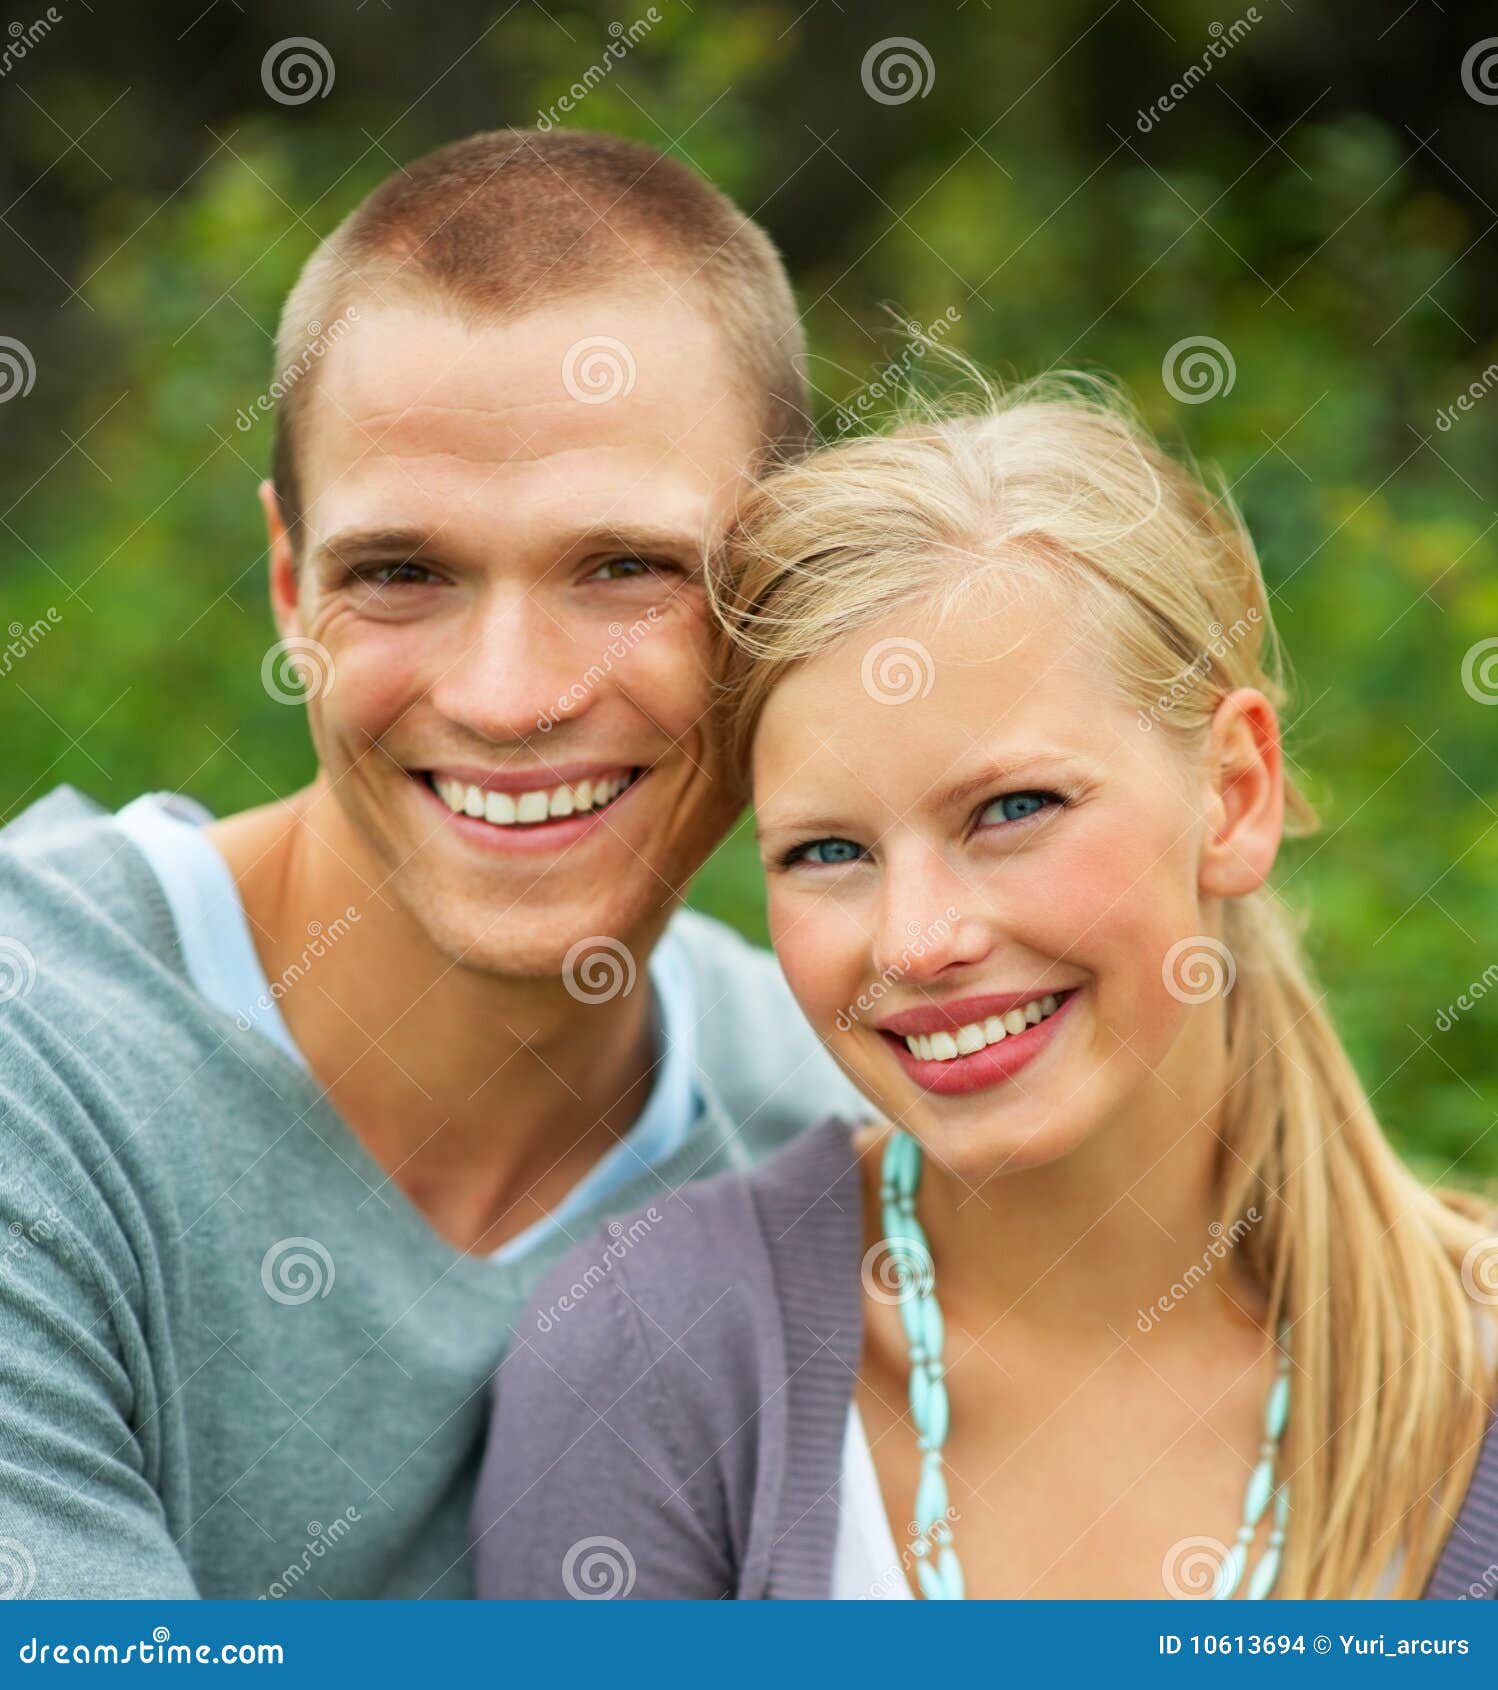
x=828 y=851
x=1015 y=806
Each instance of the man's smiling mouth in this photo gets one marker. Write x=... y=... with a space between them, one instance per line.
x=513 y=804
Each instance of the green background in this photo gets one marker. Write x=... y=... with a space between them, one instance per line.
x=1321 y=202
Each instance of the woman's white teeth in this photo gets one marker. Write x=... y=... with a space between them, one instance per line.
x=943 y=1047
x=510 y=809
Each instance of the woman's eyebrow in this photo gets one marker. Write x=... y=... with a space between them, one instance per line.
x=1000 y=773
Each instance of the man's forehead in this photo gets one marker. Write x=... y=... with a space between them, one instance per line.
x=412 y=385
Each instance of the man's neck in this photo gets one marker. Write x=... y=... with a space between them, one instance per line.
x=485 y=1099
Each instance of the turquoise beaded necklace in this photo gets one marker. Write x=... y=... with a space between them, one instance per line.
x=937 y=1567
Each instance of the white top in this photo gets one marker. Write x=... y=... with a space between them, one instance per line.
x=223 y=965
x=866 y=1562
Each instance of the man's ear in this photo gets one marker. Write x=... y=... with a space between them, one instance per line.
x=283 y=580
x=1246 y=801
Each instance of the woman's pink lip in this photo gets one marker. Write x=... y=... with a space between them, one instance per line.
x=533 y=837
x=990 y=1066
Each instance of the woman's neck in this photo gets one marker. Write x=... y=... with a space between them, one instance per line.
x=1108 y=1239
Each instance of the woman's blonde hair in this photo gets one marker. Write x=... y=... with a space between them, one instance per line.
x=1375 y=1273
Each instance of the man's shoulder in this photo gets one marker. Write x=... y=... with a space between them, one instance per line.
x=78 y=904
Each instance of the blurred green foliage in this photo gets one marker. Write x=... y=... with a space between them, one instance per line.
x=1288 y=207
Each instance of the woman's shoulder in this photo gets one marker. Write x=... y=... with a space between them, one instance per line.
x=701 y=1265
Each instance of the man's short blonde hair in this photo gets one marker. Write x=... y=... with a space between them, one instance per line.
x=507 y=222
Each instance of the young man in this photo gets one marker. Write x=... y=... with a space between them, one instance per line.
x=298 y=1105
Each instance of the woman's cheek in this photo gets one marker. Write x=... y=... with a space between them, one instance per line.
x=820 y=948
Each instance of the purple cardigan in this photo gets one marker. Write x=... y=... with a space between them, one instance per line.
x=669 y=1420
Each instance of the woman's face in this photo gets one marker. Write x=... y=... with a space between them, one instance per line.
x=960 y=819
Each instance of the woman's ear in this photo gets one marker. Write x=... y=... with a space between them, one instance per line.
x=283 y=580
x=1245 y=798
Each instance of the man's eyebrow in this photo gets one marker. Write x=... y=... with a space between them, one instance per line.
x=353 y=543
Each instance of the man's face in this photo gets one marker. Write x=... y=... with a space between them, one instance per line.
x=502 y=545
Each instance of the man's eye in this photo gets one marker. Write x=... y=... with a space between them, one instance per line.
x=825 y=851
x=404 y=572
x=630 y=569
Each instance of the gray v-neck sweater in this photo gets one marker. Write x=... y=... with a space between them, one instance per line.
x=669 y=1420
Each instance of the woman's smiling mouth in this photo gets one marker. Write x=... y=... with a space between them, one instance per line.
x=977 y=1042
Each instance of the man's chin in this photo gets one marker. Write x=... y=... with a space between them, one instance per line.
x=598 y=952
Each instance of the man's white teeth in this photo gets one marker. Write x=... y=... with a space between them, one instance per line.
x=943 y=1047
x=507 y=809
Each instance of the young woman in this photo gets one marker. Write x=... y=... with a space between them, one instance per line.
x=1123 y=1293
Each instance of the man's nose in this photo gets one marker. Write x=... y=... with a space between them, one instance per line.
x=515 y=672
